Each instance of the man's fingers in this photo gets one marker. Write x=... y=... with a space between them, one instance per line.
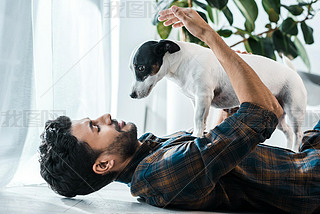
x=177 y=25
x=165 y=12
x=178 y=12
x=171 y=21
x=173 y=15
x=166 y=17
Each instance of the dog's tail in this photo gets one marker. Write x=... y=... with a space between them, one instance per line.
x=288 y=62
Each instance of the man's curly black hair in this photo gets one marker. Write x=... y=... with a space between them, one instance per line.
x=66 y=163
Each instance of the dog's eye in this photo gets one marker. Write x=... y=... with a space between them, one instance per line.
x=141 y=67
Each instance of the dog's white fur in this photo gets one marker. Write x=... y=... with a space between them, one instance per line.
x=199 y=74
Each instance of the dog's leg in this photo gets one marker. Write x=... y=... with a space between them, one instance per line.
x=295 y=108
x=202 y=106
x=296 y=119
x=285 y=128
x=299 y=134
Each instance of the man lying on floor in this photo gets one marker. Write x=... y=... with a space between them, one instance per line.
x=227 y=169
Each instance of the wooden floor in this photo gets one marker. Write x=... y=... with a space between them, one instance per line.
x=114 y=198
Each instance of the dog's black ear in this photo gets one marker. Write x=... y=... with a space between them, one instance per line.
x=165 y=46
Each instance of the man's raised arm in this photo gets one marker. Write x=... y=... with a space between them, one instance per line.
x=246 y=83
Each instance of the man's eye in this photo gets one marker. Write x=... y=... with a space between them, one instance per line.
x=94 y=125
x=97 y=126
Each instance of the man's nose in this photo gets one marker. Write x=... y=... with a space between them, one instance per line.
x=105 y=119
x=133 y=95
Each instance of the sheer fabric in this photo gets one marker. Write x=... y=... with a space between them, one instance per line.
x=54 y=61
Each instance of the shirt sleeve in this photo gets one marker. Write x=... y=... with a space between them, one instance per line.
x=188 y=171
x=230 y=142
x=310 y=140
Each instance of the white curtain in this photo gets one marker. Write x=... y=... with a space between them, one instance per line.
x=55 y=60
x=16 y=70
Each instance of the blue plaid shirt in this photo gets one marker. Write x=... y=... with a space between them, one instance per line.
x=228 y=168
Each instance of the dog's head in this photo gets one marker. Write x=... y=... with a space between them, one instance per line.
x=146 y=63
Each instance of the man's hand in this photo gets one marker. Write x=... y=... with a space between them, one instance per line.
x=186 y=17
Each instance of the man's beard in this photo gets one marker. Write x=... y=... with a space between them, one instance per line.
x=125 y=144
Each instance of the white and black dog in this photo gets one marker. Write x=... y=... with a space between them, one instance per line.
x=202 y=78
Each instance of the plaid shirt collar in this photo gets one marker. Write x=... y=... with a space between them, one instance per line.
x=149 y=144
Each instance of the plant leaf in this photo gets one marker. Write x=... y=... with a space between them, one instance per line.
x=209 y=11
x=227 y=13
x=249 y=9
x=283 y=44
x=200 y=4
x=248 y=26
x=294 y=9
x=247 y=46
x=203 y=15
x=190 y=38
x=219 y=4
x=163 y=31
x=183 y=3
x=263 y=47
x=307 y=33
x=302 y=53
x=244 y=32
x=241 y=31
x=224 y=32
x=216 y=15
x=272 y=7
x=289 y=26
x=275 y=4
x=279 y=42
x=292 y=50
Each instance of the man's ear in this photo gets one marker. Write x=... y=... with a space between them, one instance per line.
x=164 y=46
x=103 y=165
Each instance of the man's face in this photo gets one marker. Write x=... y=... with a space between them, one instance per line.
x=106 y=134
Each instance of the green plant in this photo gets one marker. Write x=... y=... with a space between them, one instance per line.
x=282 y=27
